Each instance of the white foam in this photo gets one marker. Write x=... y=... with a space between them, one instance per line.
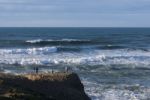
x=56 y=40
x=44 y=56
x=34 y=41
x=115 y=92
x=28 y=51
x=70 y=40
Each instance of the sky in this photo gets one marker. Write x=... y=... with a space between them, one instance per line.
x=74 y=13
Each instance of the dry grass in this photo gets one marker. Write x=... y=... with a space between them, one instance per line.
x=48 y=76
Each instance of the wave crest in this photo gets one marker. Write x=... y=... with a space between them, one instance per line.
x=44 y=56
x=37 y=41
x=28 y=51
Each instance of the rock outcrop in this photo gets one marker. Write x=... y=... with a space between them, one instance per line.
x=56 y=86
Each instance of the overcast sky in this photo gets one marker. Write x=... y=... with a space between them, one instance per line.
x=75 y=13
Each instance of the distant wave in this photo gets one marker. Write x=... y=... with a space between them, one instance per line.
x=34 y=41
x=28 y=51
x=109 y=47
x=38 y=41
x=43 y=56
x=41 y=42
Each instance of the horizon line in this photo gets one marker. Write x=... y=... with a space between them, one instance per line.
x=65 y=27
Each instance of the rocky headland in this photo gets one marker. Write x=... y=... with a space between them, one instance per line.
x=51 y=86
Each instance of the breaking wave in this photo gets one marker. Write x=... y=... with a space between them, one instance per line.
x=38 y=41
x=28 y=51
x=106 y=91
x=48 y=55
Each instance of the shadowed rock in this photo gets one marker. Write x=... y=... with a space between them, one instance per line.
x=57 y=86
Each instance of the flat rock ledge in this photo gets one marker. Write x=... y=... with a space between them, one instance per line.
x=51 y=86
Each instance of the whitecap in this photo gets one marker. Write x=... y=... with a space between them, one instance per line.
x=42 y=50
x=48 y=55
x=34 y=41
x=56 y=40
x=98 y=91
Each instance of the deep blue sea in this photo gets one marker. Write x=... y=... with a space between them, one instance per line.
x=113 y=63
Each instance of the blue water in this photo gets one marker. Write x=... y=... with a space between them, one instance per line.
x=113 y=63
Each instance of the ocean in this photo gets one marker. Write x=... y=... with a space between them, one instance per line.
x=113 y=63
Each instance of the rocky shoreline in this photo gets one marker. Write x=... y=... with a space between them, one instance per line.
x=51 y=86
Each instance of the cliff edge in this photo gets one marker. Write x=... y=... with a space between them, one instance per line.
x=56 y=86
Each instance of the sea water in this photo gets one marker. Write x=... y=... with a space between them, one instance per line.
x=113 y=63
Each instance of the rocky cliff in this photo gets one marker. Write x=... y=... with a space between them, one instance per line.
x=56 y=86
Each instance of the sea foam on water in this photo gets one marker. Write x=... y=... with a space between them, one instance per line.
x=49 y=55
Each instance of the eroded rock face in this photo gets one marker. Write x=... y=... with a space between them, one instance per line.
x=57 y=86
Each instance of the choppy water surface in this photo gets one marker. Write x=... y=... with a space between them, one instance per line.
x=113 y=63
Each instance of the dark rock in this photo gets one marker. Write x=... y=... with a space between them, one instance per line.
x=56 y=86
